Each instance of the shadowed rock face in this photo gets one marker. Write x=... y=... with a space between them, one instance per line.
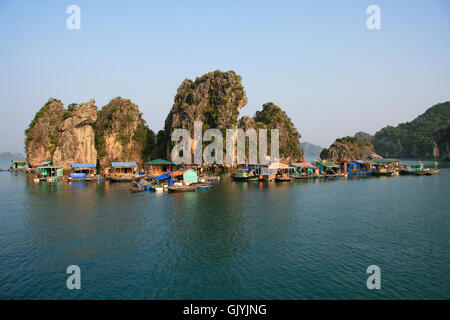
x=121 y=133
x=214 y=98
x=444 y=144
x=349 y=148
x=42 y=136
x=77 y=138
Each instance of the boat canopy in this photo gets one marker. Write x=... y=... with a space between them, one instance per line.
x=164 y=176
x=124 y=164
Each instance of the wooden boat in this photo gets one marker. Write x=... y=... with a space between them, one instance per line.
x=137 y=189
x=70 y=179
x=303 y=177
x=122 y=178
x=284 y=178
x=204 y=186
x=418 y=170
x=190 y=188
x=383 y=173
x=430 y=172
x=244 y=175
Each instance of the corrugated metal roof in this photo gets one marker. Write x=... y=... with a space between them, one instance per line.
x=82 y=165
x=124 y=164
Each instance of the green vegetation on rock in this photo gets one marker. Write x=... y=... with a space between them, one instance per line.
x=418 y=138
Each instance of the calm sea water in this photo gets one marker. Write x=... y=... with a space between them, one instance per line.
x=301 y=240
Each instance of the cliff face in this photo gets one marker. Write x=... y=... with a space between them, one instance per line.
x=76 y=143
x=272 y=117
x=214 y=98
x=42 y=136
x=121 y=134
x=349 y=148
x=444 y=144
x=418 y=138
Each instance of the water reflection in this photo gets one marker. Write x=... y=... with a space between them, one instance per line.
x=238 y=240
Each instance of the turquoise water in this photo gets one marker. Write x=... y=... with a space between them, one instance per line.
x=301 y=240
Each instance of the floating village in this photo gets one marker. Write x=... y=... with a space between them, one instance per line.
x=161 y=175
x=82 y=142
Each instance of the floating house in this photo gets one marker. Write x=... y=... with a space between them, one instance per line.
x=158 y=166
x=359 y=168
x=303 y=168
x=82 y=171
x=189 y=175
x=270 y=171
x=328 y=168
x=49 y=173
x=385 y=165
x=18 y=164
x=123 y=171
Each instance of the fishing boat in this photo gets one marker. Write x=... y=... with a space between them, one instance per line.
x=429 y=172
x=284 y=178
x=183 y=188
x=418 y=170
x=382 y=173
x=303 y=176
x=121 y=178
x=244 y=175
x=137 y=189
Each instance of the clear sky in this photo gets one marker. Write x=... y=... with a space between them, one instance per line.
x=315 y=59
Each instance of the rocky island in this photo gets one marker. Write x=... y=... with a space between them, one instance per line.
x=349 y=148
x=424 y=137
x=117 y=132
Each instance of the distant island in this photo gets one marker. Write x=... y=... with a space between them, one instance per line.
x=9 y=155
x=427 y=136
x=310 y=149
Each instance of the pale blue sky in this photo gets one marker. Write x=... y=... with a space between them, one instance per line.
x=315 y=59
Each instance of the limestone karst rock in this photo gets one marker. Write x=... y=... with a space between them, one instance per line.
x=76 y=143
x=349 y=148
x=42 y=135
x=272 y=117
x=121 y=134
x=214 y=98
